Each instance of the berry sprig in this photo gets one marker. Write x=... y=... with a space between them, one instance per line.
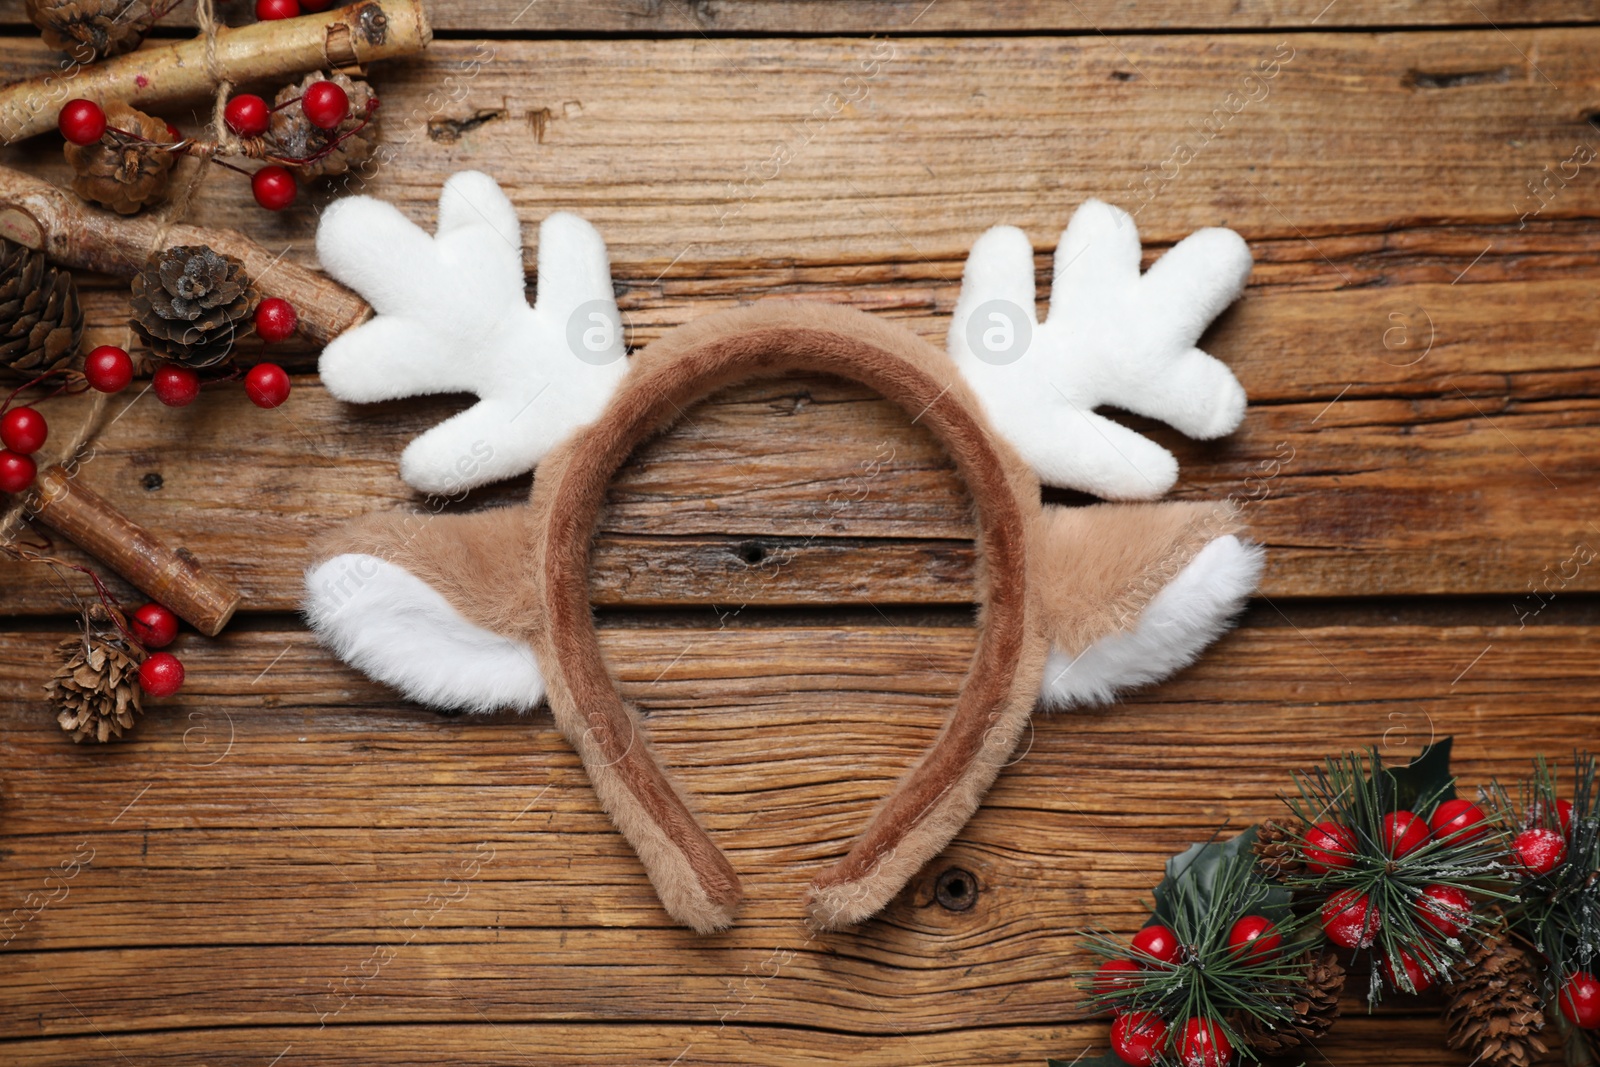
x=109 y=369
x=324 y=103
x=1395 y=862
x=1556 y=875
x=1222 y=946
x=152 y=625
x=24 y=430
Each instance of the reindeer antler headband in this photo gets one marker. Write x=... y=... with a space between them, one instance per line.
x=1075 y=603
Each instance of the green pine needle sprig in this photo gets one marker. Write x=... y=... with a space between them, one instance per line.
x=1208 y=889
x=1358 y=792
x=1559 y=912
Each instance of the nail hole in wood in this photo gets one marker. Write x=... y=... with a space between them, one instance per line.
x=152 y=481
x=955 y=889
x=752 y=552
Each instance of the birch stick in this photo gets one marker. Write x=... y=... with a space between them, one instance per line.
x=157 y=74
x=37 y=214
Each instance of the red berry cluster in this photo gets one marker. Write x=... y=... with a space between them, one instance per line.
x=324 y=103
x=1142 y=1037
x=1351 y=920
x=161 y=674
x=109 y=368
x=22 y=431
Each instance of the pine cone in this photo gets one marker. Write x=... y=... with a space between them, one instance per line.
x=95 y=690
x=1494 y=1010
x=119 y=172
x=88 y=30
x=296 y=138
x=1276 y=850
x=40 y=320
x=1315 y=1008
x=189 y=302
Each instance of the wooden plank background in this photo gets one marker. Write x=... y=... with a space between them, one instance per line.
x=289 y=865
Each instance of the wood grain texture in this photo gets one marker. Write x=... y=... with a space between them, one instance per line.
x=859 y=151
x=1383 y=1040
x=814 y=491
x=289 y=865
x=260 y=842
x=970 y=17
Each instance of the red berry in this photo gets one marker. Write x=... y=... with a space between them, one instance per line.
x=1115 y=974
x=1564 y=816
x=247 y=115
x=1580 y=1001
x=270 y=10
x=161 y=675
x=154 y=626
x=1157 y=941
x=1329 y=845
x=1445 y=908
x=266 y=385
x=175 y=387
x=1350 y=919
x=1458 y=821
x=1256 y=932
x=82 y=121
x=1201 y=1043
x=1418 y=979
x=276 y=319
x=1538 y=850
x=16 y=472
x=109 y=369
x=173 y=133
x=273 y=187
x=23 y=430
x=1403 y=833
x=1138 y=1037
x=325 y=104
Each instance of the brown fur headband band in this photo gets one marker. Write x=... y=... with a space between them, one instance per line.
x=1074 y=603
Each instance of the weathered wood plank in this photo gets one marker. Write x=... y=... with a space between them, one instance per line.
x=781 y=152
x=1382 y=1040
x=968 y=17
x=1412 y=312
x=258 y=840
x=812 y=491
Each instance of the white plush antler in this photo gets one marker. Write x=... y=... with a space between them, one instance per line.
x=1112 y=337
x=451 y=318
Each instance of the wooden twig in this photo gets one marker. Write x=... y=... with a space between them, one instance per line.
x=165 y=74
x=167 y=576
x=39 y=215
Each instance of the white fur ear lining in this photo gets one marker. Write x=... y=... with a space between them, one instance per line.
x=1189 y=613
x=394 y=627
x=1112 y=337
x=452 y=318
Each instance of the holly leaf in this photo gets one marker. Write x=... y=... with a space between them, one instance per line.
x=1205 y=865
x=1425 y=781
x=1105 y=1059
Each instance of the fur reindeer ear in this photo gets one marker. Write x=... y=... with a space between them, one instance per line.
x=1134 y=592
x=431 y=605
x=452 y=318
x=1113 y=337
